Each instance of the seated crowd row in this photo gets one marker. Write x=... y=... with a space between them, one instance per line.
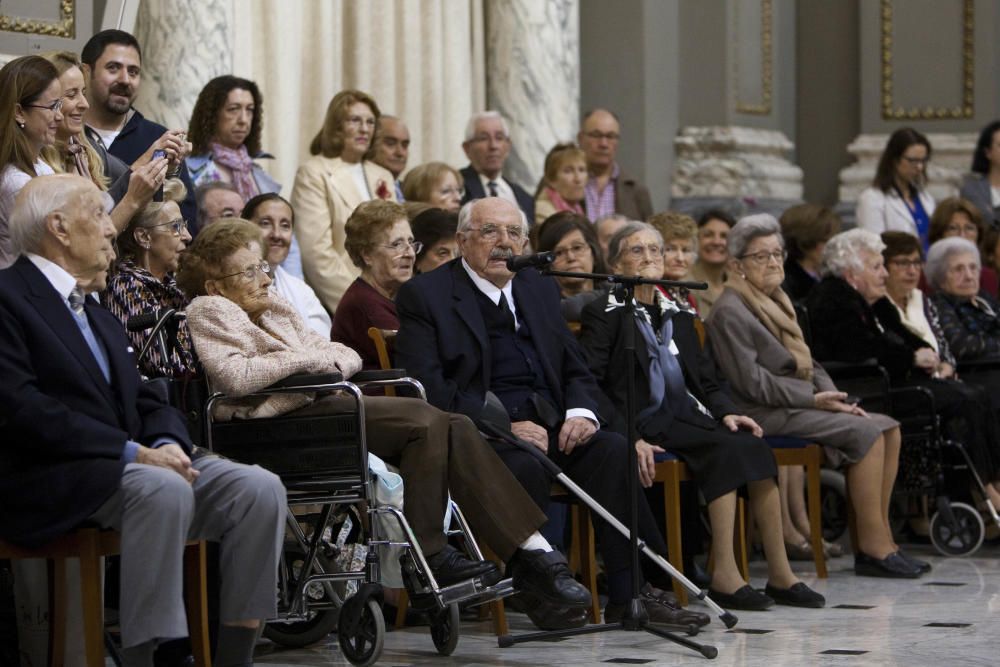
x=273 y=287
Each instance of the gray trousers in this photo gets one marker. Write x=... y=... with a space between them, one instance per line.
x=241 y=507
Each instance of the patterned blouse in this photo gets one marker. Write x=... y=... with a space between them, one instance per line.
x=134 y=290
x=971 y=327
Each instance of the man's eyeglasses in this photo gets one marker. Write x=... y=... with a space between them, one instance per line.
x=54 y=107
x=177 y=227
x=400 y=247
x=763 y=257
x=491 y=232
x=596 y=135
x=250 y=273
x=498 y=138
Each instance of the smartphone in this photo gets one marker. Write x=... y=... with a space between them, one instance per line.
x=158 y=153
x=852 y=400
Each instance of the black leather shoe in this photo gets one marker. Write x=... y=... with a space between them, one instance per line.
x=892 y=566
x=745 y=598
x=661 y=609
x=545 y=615
x=546 y=574
x=451 y=566
x=923 y=566
x=798 y=595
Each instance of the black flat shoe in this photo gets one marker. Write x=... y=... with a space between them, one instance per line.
x=451 y=566
x=546 y=574
x=921 y=565
x=892 y=566
x=745 y=598
x=798 y=595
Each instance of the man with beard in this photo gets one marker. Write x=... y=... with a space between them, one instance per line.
x=112 y=66
x=472 y=327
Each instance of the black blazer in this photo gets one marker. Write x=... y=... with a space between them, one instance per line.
x=474 y=190
x=63 y=426
x=603 y=336
x=442 y=340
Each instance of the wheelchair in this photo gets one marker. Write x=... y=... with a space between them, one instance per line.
x=323 y=462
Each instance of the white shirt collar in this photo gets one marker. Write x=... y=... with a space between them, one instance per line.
x=504 y=191
x=57 y=276
x=491 y=291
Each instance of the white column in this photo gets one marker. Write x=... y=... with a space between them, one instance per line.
x=533 y=78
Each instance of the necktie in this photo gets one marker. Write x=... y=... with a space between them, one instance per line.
x=492 y=185
x=506 y=313
x=76 y=299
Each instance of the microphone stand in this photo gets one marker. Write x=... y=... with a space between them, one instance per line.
x=635 y=617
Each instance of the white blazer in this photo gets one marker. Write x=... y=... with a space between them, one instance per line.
x=879 y=212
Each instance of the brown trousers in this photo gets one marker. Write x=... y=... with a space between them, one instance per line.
x=437 y=452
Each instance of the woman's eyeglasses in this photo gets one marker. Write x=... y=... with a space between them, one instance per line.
x=177 y=227
x=250 y=273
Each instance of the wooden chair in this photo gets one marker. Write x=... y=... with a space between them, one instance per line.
x=790 y=451
x=383 y=339
x=88 y=545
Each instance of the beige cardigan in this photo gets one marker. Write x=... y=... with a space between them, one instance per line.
x=324 y=196
x=240 y=356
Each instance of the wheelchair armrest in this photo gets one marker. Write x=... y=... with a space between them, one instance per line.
x=306 y=380
x=362 y=377
x=848 y=370
x=979 y=365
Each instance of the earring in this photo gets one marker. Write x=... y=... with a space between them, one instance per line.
x=146 y=245
x=20 y=124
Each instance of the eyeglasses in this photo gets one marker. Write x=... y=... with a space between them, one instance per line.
x=498 y=138
x=368 y=121
x=763 y=257
x=492 y=232
x=916 y=160
x=53 y=107
x=448 y=192
x=177 y=227
x=596 y=135
x=250 y=273
x=400 y=247
x=907 y=263
x=639 y=251
x=576 y=250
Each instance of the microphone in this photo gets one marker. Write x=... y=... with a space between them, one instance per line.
x=515 y=264
x=144 y=321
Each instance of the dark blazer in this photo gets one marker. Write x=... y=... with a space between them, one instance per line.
x=62 y=426
x=474 y=190
x=442 y=340
x=845 y=328
x=632 y=198
x=134 y=139
x=798 y=283
x=602 y=336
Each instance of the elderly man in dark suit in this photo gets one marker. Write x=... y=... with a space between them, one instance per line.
x=487 y=145
x=474 y=327
x=85 y=440
x=608 y=189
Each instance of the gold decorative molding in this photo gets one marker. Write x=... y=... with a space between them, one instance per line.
x=762 y=108
x=892 y=111
x=64 y=27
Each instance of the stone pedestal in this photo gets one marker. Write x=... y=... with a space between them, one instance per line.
x=740 y=169
x=533 y=78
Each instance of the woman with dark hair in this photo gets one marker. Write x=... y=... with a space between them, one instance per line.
x=571 y=237
x=562 y=185
x=30 y=114
x=806 y=228
x=955 y=216
x=331 y=184
x=434 y=229
x=710 y=267
x=276 y=219
x=982 y=187
x=897 y=200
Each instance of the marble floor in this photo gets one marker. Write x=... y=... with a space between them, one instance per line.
x=949 y=618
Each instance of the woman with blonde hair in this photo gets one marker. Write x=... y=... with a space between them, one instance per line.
x=680 y=244
x=72 y=153
x=561 y=188
x=436 y=184
x=330 y=185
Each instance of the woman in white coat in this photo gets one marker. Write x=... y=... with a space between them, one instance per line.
x=897 y=200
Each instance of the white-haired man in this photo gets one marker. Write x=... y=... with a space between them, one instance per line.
x=487 y=145
x=86 y=441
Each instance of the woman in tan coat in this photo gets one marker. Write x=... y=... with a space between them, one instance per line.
x=330 y=185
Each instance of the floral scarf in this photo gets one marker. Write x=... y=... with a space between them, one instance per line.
x=240 y=165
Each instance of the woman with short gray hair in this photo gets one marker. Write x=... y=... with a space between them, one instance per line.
x=970 y=318
x=940 y=255
x=846 y=251
x=752 y=227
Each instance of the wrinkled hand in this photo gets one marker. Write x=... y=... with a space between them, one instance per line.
x=532 y=433
x=737 y=422
x=926 y=358
x=946 y=370
x=575 y=431
x=647 y=462
x=146 y=180
x=168 y=456
x=833 y=401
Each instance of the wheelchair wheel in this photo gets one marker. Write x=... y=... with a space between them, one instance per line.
x=444 y=629
x=964 y=537
x=364 y=647
x=321 y=622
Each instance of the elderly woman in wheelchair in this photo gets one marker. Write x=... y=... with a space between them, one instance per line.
x=248 y=338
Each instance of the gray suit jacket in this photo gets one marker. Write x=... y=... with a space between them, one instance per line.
x=976 y=189
x=632 y=198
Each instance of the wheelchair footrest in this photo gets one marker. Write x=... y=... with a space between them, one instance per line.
x=471 y=592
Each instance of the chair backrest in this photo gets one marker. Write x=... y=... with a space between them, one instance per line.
x=383 y=339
